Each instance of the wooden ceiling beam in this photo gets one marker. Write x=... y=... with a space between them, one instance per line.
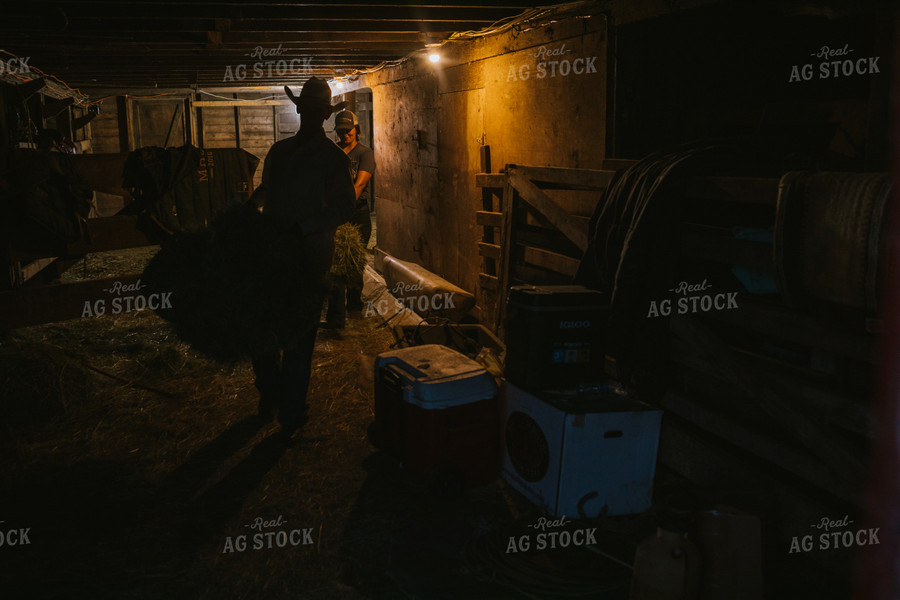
x=88 y=11
x=335 y=25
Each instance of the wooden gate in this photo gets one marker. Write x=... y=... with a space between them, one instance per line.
x=529 y=236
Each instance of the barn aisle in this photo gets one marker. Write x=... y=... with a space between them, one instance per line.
x=147 y=463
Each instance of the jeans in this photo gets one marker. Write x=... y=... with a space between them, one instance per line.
x=282 y=377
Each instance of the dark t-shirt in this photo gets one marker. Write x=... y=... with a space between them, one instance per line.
x=362 y=159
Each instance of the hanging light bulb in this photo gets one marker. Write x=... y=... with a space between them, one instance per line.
x=433 y=44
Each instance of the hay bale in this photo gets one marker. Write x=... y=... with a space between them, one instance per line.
x=349 y=254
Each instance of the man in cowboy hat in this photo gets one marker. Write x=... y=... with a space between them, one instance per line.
x=307 y=193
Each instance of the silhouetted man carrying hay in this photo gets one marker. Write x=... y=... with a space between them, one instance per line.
x=308 y=193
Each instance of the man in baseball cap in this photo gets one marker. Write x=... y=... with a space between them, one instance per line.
x=362 y=167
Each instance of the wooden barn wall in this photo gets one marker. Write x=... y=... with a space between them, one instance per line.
x=104 y=129
x=430 y=124
x=252 y=128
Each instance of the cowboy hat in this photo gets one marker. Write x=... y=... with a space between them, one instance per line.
x=315 y=92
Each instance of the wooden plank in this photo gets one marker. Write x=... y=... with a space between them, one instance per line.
x=52 y=271
x=200 y=126
x=549 y=239
x=816 y=394
x=53 y=107
x=810 y=394
x=487 y=282
x=36 y=305
x=578 y=204
x=489 y=250
x=103 y=233
x=240 y=103
x=534 y=218
x=122 y=121
x=552 y=261
x=752 y=190
x=190 y=133
x=490 y=180
x=573 y=179
x=768 y=448
x=485 y=156
x=773 y=400
x=533 y=195
x=487 y=205
x=31 y=269
x=489 y=219
x=786 y=324
x=508 y=240
x=526 y=274
x=709 y=462
x=112 y=233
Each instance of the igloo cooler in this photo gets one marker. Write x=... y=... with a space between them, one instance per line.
x=436 y=411
x=554 y=335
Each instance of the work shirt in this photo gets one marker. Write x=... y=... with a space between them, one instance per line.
x=307 y=183
x=362 y=159
x=308 y=189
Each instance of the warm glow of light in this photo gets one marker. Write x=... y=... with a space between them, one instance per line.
x=434 y=57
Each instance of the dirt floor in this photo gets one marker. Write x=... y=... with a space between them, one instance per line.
x=139 y=469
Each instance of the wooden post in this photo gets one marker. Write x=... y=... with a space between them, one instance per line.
x=507 y=207
x=199 y=121
x=189 y=133
x=122 y=113
x=237 y=124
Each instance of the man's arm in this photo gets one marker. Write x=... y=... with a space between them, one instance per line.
x=366 y=169
x=362 y=180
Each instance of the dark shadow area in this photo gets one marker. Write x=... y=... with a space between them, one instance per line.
x=404 y=540
x=101 y=529
x=208 y=513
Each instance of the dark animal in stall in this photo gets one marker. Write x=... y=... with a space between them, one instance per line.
x=235 y=284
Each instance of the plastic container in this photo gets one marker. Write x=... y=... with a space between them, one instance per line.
x=554 y=335
x=580 y=453
x=667 y=566
x=436 y=411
